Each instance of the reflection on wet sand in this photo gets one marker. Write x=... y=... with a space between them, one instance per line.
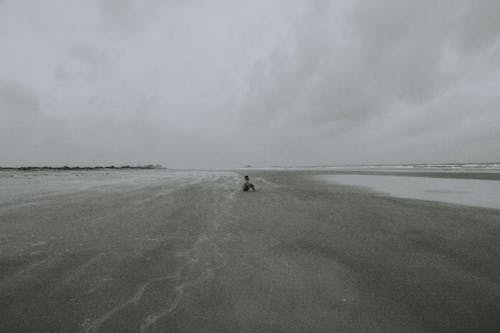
x=470 y=192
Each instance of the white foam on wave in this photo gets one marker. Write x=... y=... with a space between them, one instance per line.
x=431 y=167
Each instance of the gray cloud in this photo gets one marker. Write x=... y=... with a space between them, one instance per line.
x=18 y=99
x=215 y=84
x=391 y=61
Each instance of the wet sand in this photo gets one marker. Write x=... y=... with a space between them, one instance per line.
x=195 y=254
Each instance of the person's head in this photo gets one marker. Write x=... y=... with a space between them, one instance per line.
x=246 y=177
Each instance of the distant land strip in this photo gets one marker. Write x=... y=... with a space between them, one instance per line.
x=68 y=168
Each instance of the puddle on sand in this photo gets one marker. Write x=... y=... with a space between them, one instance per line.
x=470 y=192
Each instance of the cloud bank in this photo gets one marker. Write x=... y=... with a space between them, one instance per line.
x=230 y=83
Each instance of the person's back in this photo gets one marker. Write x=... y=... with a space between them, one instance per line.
x=247 y=185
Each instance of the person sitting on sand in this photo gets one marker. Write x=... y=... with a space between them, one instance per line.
x=247 y=185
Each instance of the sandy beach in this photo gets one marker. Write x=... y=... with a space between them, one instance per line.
x=188 y=251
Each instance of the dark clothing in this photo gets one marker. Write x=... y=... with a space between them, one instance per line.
x=247 y=186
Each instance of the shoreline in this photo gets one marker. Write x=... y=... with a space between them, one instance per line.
x=194 y=253
x=482 y=174
x=486 y=174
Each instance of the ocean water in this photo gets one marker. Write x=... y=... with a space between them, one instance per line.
x=419 y=167
x=470 y=192
x=435 y=167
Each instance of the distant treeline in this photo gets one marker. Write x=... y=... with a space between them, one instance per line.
x=122 y=167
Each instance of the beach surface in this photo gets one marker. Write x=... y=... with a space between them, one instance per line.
x=188 y=251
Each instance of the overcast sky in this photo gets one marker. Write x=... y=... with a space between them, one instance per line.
x=215 y=83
